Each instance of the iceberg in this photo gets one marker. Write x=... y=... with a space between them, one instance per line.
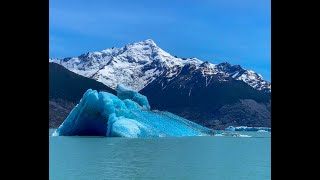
x=126 y=115
x=246 y=128
x=230 y=128
x=261 y=130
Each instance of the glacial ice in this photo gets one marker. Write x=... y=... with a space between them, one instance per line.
x=124 y=93
x=126 y=115
x=246 y=128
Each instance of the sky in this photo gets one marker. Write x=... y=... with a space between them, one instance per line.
x=234 y=31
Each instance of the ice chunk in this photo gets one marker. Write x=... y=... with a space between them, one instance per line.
x=246 y=128
x=126 y=93
x=86 y=118
x=125 y=115
x=261 y=130
x=230 y=128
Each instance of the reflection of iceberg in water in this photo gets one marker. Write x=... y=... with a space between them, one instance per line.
x=126 y=115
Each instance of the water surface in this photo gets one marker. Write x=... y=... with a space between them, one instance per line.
x=161 y=158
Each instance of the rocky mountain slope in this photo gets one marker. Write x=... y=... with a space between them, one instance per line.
x=208 y=100
x=65 y=90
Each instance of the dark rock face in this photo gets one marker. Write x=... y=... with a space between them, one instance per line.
x=209 y=101
x=65 y=90
x=59 y=109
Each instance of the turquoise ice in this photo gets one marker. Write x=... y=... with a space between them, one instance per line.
x=126 y=115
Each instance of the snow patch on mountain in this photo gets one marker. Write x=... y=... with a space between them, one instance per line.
x=138 y=64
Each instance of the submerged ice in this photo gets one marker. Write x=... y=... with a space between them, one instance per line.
x=126 y=115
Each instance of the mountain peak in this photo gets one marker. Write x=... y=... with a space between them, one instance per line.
x=205 y=64
x=225 y=64
x=138 y=64
x=149 y=41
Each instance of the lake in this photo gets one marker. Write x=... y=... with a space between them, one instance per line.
x=214 y=157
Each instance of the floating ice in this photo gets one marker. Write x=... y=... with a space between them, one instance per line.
x=231 y=134
x=230 y=128
x=126 y=93
x=261 y=130
x=245 y=128
x=126 y=115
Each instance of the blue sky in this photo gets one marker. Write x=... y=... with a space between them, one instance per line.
x=236 y=31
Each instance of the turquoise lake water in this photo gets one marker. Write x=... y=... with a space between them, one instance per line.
x=225 y=158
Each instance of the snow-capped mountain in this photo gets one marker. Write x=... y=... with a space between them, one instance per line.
x=209 y=97
x=138 y=64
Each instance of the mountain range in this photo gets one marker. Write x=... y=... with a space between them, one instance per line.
x=213 y=95
x=138 y=64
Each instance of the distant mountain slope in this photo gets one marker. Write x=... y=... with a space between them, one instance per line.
x=138 y=64
x=65 y=90
x=207 y=100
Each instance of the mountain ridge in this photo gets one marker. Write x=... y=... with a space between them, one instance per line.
x=138 y=64
x=207 y=100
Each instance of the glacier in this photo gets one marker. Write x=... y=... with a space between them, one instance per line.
x=126 y=115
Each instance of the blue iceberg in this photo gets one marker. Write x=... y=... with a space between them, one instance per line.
x=126 y=115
